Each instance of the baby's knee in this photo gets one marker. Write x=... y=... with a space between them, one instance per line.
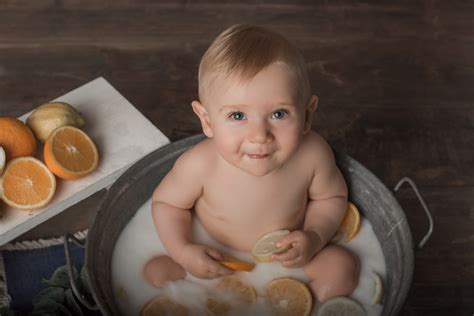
x=333 y=272
x=162 y=269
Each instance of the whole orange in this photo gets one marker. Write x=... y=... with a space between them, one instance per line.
x=16 y=138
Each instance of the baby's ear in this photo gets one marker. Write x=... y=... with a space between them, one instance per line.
x=308 y=117
x=201 y=112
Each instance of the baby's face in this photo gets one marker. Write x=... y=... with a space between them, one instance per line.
x=256 y=124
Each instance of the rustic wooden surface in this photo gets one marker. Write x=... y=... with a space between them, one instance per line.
x=394 y=80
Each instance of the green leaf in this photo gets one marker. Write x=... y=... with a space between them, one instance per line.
x=72 y=304
x=60 y=277
x=55 y=294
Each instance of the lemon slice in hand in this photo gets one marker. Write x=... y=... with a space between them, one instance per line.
x=266 y=246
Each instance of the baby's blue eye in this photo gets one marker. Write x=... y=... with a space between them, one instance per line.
x=237 y=116
x=279 y=114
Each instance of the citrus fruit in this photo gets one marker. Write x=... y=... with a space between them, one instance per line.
x=16 y=138
x=70 y=153
x=27 y=184
x=163 y=306
x=350 y=224
x=289 y=297
x=242 y=291
x=341 y=306
x=49 y=116
x=379 y=289
x=266 y=246
x=236 y=264
x=2 y=159
x=216 y=307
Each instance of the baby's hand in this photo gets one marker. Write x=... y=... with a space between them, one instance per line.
x=303 y=246
x=202 y=261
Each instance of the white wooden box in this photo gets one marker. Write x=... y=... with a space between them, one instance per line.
x=122 y=135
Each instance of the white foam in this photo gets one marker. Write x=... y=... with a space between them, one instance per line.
x=139 y=242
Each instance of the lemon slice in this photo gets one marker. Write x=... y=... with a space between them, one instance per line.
x=341 y=306
x=266 y=246
x=2 y=159
x=379 y=289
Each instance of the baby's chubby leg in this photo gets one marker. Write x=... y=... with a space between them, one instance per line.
x=162 y=269
x=334 y=271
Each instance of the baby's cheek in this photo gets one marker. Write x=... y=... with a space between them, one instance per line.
x=162 y=269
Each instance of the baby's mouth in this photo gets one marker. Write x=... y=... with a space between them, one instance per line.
x=257 y=156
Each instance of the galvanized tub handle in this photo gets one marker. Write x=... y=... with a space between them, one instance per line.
x=70 y=271
x=427 y=211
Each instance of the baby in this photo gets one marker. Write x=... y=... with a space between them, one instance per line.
x=259 y=170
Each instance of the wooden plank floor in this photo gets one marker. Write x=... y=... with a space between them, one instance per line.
x=395 y=83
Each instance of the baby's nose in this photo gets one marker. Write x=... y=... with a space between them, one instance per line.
x=259 y=133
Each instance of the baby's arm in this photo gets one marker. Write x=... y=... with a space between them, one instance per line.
x=171 y=204
x=327 y=202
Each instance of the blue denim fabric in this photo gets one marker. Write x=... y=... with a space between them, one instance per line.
x=26 y=269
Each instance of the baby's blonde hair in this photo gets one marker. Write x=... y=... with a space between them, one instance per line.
x=244 y=50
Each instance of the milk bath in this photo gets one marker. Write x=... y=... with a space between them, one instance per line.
x=139 y=242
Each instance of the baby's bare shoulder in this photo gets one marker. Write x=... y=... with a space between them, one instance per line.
x=316 y=147
x=197 y=159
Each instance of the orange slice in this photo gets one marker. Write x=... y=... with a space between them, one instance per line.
x=242 y=291
x=289 y=297
x=236 y=264
x=27 y=184
x=70 y=153
x=16 y=138
x=216 y=307
x=350 y=224
x=3 y=158
x=341 y=306
x=163 y=306
x=266 y=246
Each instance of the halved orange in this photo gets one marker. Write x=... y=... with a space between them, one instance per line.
x=27 y=184
x=70 y=153
x=289 y=297
x=236 y=264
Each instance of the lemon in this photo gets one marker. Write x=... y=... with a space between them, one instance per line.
x=341 y=306
x=49 y=116
x=266 y=246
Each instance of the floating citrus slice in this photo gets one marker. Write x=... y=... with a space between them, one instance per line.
x=16 y=138
x=242 y=291
x=266 y=246
x=289 y=297
x=216 y=307
x=350 y=224
x=236 y=264
x=379 y=289
x=161 y=306
x=27 y=184
x=341 y=306
x=70 y=153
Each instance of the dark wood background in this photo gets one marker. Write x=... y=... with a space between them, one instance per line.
x=395 y=82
